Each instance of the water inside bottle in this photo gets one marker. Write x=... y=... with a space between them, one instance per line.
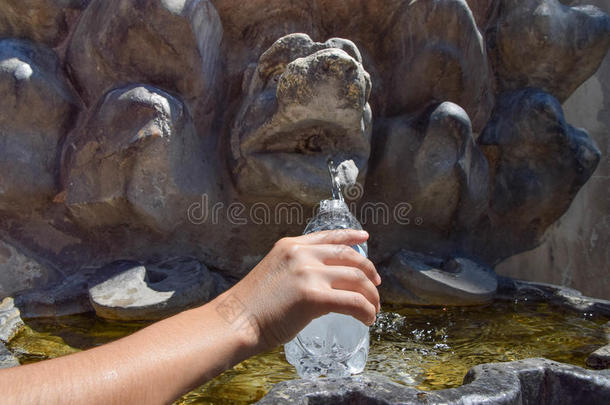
x=332 y=345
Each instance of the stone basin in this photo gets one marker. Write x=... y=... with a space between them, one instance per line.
x=529 y=346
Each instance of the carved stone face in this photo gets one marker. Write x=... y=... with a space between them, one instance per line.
x=305 y=102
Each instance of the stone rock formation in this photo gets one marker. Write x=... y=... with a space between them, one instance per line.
x=10 y=320
x=170 y=44
x=30 y=274
x=138 y=155
x=537 y=160
x=438 y=43
x=417 y=279
x=545 y=44
x=440 y=175
x=37 y=109
x=6 y=358
x=201 y=128
x=305 y=101
x=154 y=291
x=42 y=21
x=525 y=381
x=599 y=359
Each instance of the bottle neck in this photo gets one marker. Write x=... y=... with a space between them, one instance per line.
x=332 y=206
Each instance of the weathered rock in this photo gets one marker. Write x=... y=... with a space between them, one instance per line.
x=438 y=55
x=562 y=297
x=19 y=272
x=259 y=23
x=10 y=320
x=155 y=291
x=533 y=381
x=36 y=110
x=6 y=358
x=484 y=11
x=305 y=101
x=137 y=159
x=412 y=278
x=599 y=359
x=545 y=44
x=538 y=163
x=169 y=44
x=45 y=21
x=429 y=180
x=66 y=297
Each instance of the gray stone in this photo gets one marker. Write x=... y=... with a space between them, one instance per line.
x=412 y=278
x=6 y=358
x=306 y=101
x=69 y=296
x=545 y=44
x=36 y=110
x=599 y=359
x=45 y=21
x=138 y=160
x=562 y=297
x=574 y=250
x=19 y=272
x=538 y=163
x=428 y=178
x=170 y=44
x=438 y=54
x=155 y=291
x=531 y=381
x=235 y=140
x=10 y=320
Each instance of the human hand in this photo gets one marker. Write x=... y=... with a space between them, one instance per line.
x=301 y=279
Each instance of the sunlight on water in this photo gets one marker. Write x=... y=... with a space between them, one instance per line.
x=426 y=348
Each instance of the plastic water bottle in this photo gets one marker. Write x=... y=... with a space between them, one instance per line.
x=333 y=345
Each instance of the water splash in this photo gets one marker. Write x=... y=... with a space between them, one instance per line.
x=334 y=179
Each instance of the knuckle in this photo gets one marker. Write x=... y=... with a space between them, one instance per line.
x=360 y=276
x=293 y=251
x=310 y=295
x=303 y=271
x=358 y=301
x=343 y=252
x=282 y=243
x=288 y=247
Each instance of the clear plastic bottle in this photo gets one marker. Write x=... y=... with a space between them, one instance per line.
x=333 y=345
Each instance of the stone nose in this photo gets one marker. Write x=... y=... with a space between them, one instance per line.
x=326 y=83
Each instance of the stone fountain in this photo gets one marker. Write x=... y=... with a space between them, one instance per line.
x=153 y=151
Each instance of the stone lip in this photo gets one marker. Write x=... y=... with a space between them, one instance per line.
x=6 y=358
x=567 y=298
x=413 y=278
x=155 y=291
x=518 y=382
x=10 y=320
x=599 y=359
x=525 y=381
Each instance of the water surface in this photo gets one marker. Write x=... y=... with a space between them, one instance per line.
x=425 y=348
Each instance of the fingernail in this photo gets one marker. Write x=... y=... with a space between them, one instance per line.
x=363 y=234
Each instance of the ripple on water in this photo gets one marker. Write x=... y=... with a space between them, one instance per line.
x=427 y=348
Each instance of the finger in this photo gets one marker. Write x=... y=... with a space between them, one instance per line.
x=348 y=303
x=343 y=255
x=353 y=279
x=335 y=236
